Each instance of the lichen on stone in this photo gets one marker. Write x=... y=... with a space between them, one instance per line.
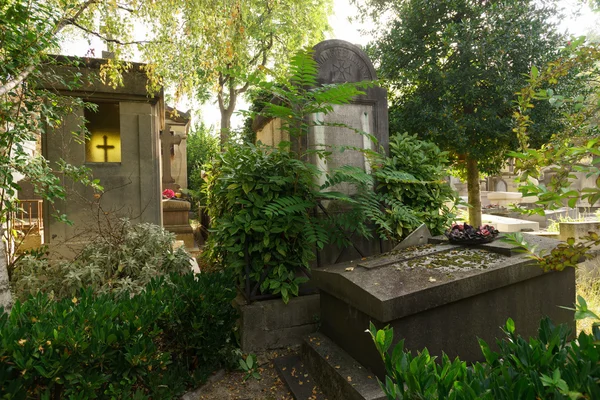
x=452 y=260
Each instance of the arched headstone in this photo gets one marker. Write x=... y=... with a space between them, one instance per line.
x=339 y=62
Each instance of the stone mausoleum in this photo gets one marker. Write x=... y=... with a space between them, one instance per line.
x=122 y=150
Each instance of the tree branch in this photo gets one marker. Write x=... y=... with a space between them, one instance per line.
x=10 y=85
x=106 y=39
x=66 y=21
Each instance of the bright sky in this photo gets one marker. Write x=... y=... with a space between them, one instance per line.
x=585 y=23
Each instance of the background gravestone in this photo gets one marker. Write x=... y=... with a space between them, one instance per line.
x=339 y=62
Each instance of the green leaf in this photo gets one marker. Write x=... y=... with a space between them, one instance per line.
x=510 y=325
x=111 y=339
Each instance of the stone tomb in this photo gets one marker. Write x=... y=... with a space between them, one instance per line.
x=176 y=220
x=122 y=151
x=439 y=296
x=179 y=123
x=174 y=176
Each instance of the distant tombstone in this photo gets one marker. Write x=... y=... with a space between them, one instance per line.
x=168 y=141
x=179 y=123
x=339 y=62
x=500 y=186
x=174 y=176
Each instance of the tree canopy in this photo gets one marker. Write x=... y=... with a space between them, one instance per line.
x=453 y=68
x=191 y=47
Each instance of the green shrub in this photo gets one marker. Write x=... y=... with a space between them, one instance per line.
x=545 y=367
x=412 y=179
x=153 y=345
x=260 y=200
x=124 y=259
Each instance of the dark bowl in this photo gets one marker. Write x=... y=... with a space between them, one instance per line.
x=479 y=240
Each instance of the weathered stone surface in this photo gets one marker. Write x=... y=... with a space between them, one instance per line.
x=444 y=308
x=551 y=216
x=176 y=212
x=578 y=230
x=298 y=379
x=179 y=123
x=271 y=324
x=340 y=61
x=338 y=375
x=134 y=87
x=418 y=237
x=506 y=224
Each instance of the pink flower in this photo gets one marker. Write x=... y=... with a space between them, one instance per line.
x=168 y=193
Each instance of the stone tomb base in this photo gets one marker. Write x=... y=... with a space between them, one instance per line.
x=578 y=230
x=176 y=220
x=272 y=324
x=442 y=297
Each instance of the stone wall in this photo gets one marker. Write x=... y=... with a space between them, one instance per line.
x=272 y=324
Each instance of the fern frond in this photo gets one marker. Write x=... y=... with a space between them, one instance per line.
x=339 y=196
x=336 y=93
x=315 y=233
x=387 y=175
x=304 y=69
x=287 y=206
x=348 y=174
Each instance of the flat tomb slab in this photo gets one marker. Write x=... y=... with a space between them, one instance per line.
x=505 y=224
x=443 y=298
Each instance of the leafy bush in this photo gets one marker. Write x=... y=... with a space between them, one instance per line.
x=202 y=146
x=123 y=259
x=413 y=178
x=152 y=345
x=259 y=199
x=546 y=367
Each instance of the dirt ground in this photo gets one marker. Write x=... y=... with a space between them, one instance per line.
x=231 y=385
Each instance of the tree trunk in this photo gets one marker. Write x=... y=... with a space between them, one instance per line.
x=5 y=296
x=225 y=125
x=474 y=192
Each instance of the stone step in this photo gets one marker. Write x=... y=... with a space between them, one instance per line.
x=294 y=374
x=339 y=375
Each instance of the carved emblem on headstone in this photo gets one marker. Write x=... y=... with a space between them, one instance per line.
x=340 y=64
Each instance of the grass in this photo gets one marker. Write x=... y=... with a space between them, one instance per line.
x=588 y=287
